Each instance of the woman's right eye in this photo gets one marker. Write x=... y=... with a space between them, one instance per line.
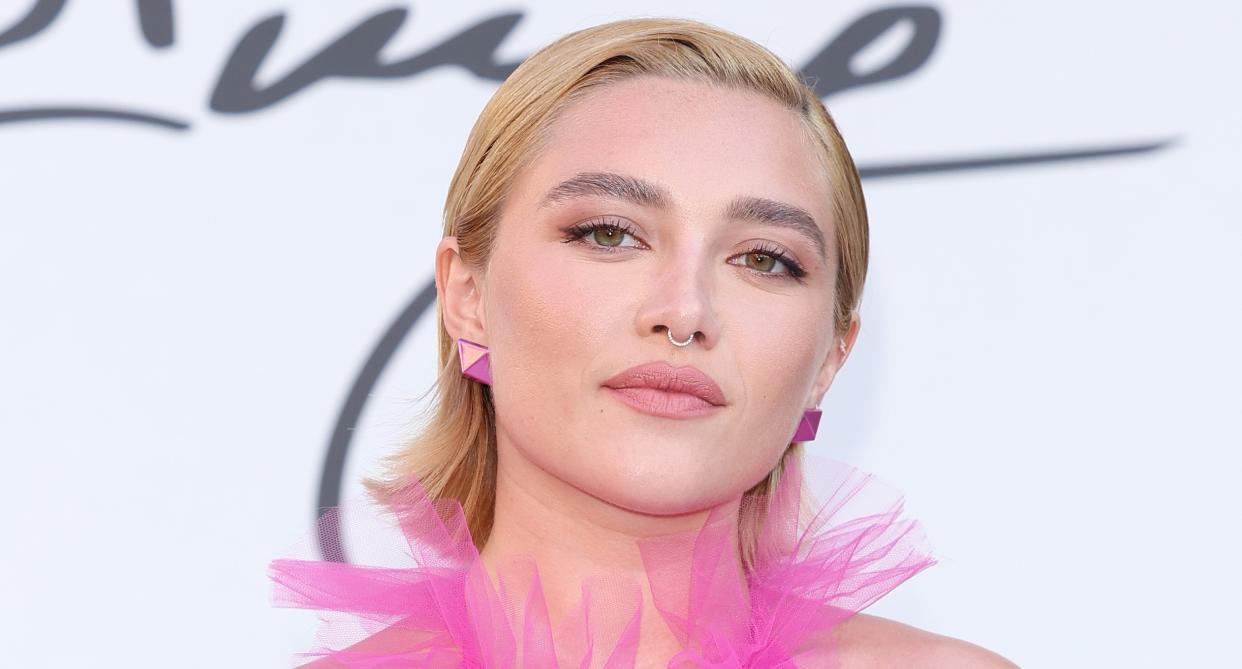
x=602 y=234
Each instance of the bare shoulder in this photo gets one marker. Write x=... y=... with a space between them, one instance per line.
x=871 y=642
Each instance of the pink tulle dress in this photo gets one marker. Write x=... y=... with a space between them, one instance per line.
x=425 y=599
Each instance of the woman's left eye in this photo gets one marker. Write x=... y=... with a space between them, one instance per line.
x=763 y=260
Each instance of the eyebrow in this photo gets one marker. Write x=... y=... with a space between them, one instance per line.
x=646 y=194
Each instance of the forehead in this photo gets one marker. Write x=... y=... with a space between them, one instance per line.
x=707 y=145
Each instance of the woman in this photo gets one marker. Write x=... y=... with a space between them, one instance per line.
x=655 y=246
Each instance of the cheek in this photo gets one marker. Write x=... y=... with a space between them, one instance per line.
x=546 y=323
x=777 y=347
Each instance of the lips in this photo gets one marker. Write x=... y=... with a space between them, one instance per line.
x=675 y=384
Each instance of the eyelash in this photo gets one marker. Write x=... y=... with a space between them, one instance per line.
x=577 y=232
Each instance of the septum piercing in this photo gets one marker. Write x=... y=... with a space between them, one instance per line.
x=674 y=342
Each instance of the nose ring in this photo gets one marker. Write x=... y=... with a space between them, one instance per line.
x=674 y=342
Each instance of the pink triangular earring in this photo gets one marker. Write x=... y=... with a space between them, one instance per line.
x=475 y=363
x=808 y=426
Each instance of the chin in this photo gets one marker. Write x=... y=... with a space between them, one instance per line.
x=670 y=477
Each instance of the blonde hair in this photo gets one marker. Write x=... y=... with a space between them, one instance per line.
x=454 y=456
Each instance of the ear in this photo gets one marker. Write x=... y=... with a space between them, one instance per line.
x=459 y=291
x=835 y=359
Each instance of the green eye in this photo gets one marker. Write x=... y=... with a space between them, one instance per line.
x=611 y=237
x=761 y=261
x=608 y=236
x=770 y=264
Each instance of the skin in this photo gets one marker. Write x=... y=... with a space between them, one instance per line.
x=582 y=475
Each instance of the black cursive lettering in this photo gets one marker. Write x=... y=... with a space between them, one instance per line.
x=829 y=71
x=353 y=54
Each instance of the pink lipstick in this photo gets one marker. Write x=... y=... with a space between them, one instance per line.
x=660 y=389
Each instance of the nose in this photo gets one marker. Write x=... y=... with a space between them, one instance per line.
x=680 y=299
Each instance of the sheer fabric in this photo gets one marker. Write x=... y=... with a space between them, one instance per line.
x=421 y=597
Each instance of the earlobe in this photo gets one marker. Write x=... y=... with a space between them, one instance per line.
x=459 y=294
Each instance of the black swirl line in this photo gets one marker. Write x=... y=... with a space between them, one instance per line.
x=1007 y=160
x=329 y=530
x=93 y=113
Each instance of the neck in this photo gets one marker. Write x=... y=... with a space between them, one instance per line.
x=572 y=535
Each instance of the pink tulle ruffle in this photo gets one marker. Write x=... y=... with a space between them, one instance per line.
x=424 y=599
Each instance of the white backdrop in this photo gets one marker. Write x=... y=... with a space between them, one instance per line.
x=1048 y=366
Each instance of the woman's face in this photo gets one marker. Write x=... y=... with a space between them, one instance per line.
x=564 y=309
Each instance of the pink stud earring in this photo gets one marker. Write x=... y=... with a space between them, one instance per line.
x=808 y=426
x=474 y=361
